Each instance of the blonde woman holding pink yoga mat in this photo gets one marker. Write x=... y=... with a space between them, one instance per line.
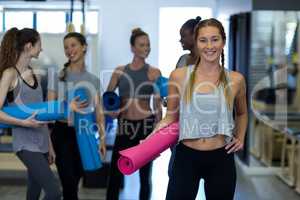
x=202 y=97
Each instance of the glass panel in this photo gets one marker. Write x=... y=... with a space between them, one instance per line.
x=19 y=19
x=51 y=21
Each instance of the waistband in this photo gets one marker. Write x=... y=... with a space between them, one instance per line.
x=151 y=117
x=206 y=152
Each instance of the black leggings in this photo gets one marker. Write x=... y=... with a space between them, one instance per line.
x=129 y=134
x=68 y=161
x=216 y=167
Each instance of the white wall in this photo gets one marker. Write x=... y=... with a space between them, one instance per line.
x=119 y=17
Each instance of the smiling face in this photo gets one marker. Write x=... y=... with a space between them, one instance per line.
x=141 y=46
x=210 y=43
x=74 y=50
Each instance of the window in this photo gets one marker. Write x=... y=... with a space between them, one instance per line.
x=91 y=21
x=19 y=19
x=47 y=21
x=51 y=21
x=1 y=20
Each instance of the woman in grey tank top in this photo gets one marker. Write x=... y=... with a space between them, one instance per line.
x=63 y=135
x=136 y=119
x=202 y=97
x=19 y=85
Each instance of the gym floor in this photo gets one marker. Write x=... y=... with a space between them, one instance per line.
x=258 y=186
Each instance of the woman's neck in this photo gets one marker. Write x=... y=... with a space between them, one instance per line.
x=193 y=56
x=208 y=68
x=77 y=66
x=23 y=63
x=137 y=62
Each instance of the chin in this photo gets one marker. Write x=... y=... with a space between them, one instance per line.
x=211 y=59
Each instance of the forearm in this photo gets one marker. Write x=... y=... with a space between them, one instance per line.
x=168 y=119
x=241 y=126
x=101 y=126
x=6 y=119
x=157 y=111
x=158 y=115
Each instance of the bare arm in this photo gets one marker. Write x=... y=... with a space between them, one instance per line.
x=113 y=83
x=241 y=120
x=8 y=77
x=241 y=112
x=157 y=104
x=100 y=122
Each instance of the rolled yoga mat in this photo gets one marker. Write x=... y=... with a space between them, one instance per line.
x=86 y=134
x=58 y=110
x=134 y=158
x=161 y=84
x=111 y=101
x=46 y=111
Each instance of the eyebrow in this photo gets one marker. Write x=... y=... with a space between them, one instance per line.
x=214 y=36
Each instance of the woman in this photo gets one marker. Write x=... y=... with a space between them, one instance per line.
x=188 y=43
x=19 y=85
x=135 y=82
x=202 y=97
x=63 y=136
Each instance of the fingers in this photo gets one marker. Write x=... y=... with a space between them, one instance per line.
x=83 y=104
x=76 y=98
x=51 y=159
x=32 y=116
x=234 y=146
x=102 y=152
x=42 y=122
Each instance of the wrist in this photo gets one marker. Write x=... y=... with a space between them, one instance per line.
x=102 y=137
x=20 y=122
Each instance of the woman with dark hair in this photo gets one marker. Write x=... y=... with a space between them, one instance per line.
x=20 y=85
x=188 y=43
x=72 y=76
x=206 y=95
x=136 y=119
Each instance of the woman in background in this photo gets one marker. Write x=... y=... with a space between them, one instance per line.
x=136 y=120
x=72 y=76
x=188 y=43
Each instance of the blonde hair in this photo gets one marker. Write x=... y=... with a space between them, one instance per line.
x=222 y=77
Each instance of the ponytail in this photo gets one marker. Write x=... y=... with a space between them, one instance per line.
x=8 y=53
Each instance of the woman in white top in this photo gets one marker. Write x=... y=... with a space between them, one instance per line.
x=203 y=97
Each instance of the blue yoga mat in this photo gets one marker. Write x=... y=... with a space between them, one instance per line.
x=161 y=84
x=46 y=111
x=56 y=110
x=111 y=101
x=86 y=133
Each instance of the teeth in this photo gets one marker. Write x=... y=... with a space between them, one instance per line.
x=210 y=53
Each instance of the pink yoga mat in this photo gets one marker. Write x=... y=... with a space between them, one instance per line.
x=136 y=157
